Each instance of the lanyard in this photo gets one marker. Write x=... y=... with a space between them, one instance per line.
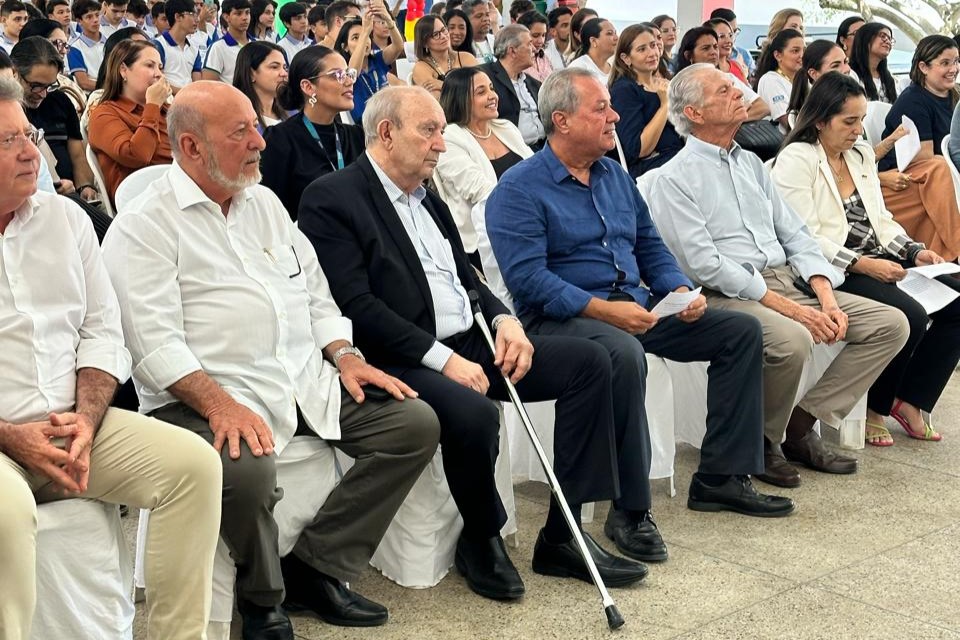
x=313 y=133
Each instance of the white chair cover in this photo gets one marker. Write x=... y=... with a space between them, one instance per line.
x=136 y=183
x=101 y=183
x=405 y=68
x=954 y=171
x=874 y=123
x=84 y=576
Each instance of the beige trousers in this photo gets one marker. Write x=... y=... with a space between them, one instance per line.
x=875 y=335
x=143 y=463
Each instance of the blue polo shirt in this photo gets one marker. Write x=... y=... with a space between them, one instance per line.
x=560 y=242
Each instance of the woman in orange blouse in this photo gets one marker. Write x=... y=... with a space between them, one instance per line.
x=128 y=129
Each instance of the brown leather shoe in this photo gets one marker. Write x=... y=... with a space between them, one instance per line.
x=776 y=470
x=811 y=452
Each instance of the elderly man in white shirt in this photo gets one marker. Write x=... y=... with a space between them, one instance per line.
x=62 y=357
x=235 y=336
x=718 y=211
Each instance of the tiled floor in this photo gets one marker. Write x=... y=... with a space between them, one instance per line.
x=874 y=555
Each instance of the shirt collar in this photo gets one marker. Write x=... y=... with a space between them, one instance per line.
x=22 y=215
x=169 y=38
x=189 y=194
x=89 y=41
x=293 y=40
x=711 y=151
x=395 y=193
x=230 y=40
x=557 y=170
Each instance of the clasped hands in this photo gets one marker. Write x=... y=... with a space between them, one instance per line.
x=58 y=448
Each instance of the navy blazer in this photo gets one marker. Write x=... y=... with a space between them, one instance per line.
x=372 y=266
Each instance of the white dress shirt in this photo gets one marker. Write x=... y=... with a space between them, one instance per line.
x=451 y=304
x=58 y=312
x=241 y=297
x=529 y=119
x=554 y=55
x=723 y=219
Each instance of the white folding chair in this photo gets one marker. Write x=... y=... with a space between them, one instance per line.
x=405 y=69
x=136 y=183
x=98 y=178
x=954 y=171
x=875 y=121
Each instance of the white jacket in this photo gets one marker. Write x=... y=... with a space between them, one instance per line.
x=464 y=176
x=805 y=180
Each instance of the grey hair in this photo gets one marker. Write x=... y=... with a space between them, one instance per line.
x=686 y=89
x=559 y=94
x=507 y=37
x=183 y=118
x=469 y=5
x=386 y=104
x=10 y=90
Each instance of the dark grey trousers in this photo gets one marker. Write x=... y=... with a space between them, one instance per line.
x=391 y=442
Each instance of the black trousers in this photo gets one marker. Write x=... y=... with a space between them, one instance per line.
x=573 y=371
x=919 y=373
x=731 y=342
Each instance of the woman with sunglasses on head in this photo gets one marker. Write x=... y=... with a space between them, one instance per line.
x=313 y=142
x=373 y=67
x=435 y=57
x=868 y=59
x=828 y=175
x=261 y=69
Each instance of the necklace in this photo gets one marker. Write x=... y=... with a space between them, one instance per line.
x=478 y=136
x=436 y=65
x=836 y=173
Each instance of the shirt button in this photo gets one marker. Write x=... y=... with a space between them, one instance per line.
x=604 y=243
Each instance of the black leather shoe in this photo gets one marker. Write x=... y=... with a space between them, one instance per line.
x=811 y=452
x=327 y=597
x=264 y=623
x=737 y=494
x=488 y=569
x=638 y=540
x=776 y=470
x=564 y=560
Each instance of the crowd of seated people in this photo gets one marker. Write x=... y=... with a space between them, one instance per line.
x=325 y=286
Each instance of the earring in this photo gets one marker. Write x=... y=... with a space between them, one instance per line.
x=313 y=100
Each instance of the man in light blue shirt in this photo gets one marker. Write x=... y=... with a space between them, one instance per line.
x=719 y=213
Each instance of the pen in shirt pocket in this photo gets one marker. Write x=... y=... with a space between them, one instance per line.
x=270 y=255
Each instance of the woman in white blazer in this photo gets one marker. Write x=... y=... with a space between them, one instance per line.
x=829 y=176
x=480 y=148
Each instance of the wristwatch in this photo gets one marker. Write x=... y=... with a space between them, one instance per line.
x=346 y=351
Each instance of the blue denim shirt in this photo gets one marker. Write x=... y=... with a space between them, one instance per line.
x=560 y=243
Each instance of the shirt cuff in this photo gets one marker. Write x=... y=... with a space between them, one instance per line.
x=106 y=356
x=332 y=329
x=810 y=269
x=171 y=362
x=436 y=356
x=756 y=288
x=843 y=258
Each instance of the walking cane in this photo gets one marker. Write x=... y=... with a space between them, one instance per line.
x=614 y=619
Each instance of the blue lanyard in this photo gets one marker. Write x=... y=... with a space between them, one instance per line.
x=313 y=133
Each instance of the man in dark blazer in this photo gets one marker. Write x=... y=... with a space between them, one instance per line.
x=517 y=91
x=396 y=265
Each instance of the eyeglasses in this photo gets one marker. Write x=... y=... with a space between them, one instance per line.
x=37 y=88
x=339 y=74
x=887 y=38
x=35 y=136
x=436 y=35
x=736 y=32
x=60 y=45
x=192 y=14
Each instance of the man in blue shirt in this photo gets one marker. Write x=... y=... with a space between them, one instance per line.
x=581 y=256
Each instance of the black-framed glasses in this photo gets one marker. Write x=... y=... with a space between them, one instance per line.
x=37 y=88
x=340 y=75
x=60 y=45
x=436 y=35
x=887 y=38
x=32 y=134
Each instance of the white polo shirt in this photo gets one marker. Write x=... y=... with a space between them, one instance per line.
x=291 y=46
x=222 y=57
x=107 y=29
x=178 y=62
x=201 y=39
x=86 y=55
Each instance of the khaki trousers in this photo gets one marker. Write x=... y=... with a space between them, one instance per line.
x=143 y=463
x=874 y=337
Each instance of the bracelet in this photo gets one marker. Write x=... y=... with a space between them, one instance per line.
x=498 y=320
x=346 y=351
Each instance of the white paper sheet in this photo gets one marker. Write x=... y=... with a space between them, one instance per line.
x=931 y=294
x=934 y=270
x=908 y=146
x=675 y=302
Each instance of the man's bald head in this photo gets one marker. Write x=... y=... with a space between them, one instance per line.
x=394 y=104
x=199 y=106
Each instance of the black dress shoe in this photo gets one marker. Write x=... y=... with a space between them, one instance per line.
x=736 y=494
x=776 y=470
x=328 y=597
x=639 y=540
x=264 y=623
x=564 y=560
x=488 y=569
x=811 y=452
